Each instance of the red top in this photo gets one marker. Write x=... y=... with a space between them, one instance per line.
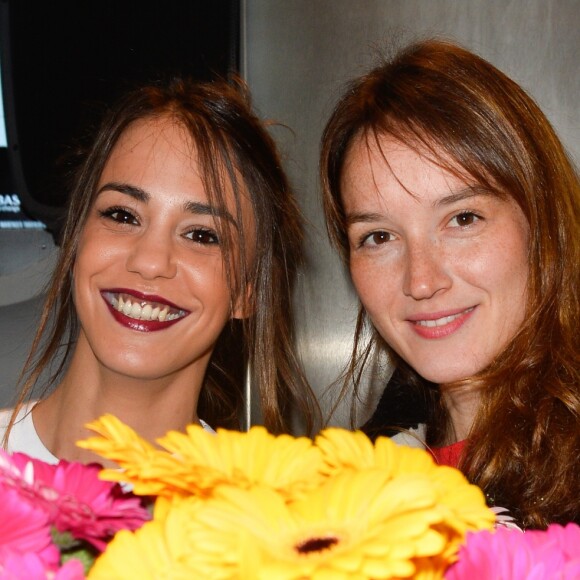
x=448 y=455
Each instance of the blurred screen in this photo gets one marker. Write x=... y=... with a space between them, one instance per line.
x=11 y=214
x=3 y=140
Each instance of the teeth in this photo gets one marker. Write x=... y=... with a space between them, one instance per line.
x=146 y=312
x=135 y=310
x=442 y=321
x=142 y=310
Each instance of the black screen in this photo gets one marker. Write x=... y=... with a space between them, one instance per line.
x=64 y=61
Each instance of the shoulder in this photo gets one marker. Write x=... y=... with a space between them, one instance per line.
x=23 y=436
x=411 y=437
x=5 y=415
x=207 y=427
x=20 y=423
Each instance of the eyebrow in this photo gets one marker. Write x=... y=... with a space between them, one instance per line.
x=361 y=217
x=459 y=195
x=194 y=207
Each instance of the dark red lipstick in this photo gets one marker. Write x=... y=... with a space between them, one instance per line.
x=142 y=312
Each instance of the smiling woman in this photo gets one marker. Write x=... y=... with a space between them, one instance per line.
x=426 y=233
x=162 y=297
x=457 y=210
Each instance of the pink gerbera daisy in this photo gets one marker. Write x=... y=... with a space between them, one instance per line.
x=24 y=528
x=74 y=497
x=15 y=566
x=553 y=554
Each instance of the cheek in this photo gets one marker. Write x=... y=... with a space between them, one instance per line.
x=512 y=277
x=88 y=250
x=501 y=267
x=361 y=279
x=98 y=249
x=95 y=256
x=85 y=264
x=374 y=285
x=204 y=278
x=82 y=258
x=87 y=260
x=212 y=279
x=500 y=270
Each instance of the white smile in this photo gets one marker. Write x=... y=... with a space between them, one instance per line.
x=142 y=309
x=442 y=321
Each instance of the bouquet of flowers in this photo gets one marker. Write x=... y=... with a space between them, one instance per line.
x=254 y=505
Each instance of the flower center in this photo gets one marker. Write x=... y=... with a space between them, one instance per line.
x=316 y=544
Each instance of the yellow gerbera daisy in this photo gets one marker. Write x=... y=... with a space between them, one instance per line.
x=344 y=449
x=358 y=524
x=140 y=462
x=196 y=462
x=158 y=550
x=347 y=450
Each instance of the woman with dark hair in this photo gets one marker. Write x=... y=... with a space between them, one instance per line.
x=457 y=210
x=173 y=286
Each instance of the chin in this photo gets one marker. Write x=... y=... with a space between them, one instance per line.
x=136 y=368
x=445 y=376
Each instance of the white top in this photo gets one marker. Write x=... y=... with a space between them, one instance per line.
x=24 y=438
x=412 y=437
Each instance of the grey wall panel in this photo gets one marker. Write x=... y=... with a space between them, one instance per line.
x=297 y=55
x=27 y=258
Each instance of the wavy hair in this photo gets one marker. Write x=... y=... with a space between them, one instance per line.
x=475 y=122
x=234 y=147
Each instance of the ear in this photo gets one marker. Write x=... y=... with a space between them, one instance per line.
x=243 y=305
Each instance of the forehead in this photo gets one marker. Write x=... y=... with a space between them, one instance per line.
x=385 y=167
x=150 y=149
x=161 y=154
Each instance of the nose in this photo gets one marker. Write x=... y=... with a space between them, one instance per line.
x=152 y=255
x=426 y=271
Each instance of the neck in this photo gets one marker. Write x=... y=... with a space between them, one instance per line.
x=461 y=403
x=151 y=407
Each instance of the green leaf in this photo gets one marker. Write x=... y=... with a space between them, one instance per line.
x=63 y=540
x=85 y=554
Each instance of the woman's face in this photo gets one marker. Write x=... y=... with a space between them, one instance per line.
x=150 y=283
x=440 y=264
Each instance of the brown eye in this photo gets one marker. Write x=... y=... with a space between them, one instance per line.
x=123 y=217
x=380 y=238
x=376 y=238
x=203 y=236
x=464 y=219
x=120 y=215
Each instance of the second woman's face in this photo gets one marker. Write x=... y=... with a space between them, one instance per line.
x=150 y=284
x=440 y=265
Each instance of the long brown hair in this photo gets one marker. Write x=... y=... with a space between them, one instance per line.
x=434 y=95
x=233 y=146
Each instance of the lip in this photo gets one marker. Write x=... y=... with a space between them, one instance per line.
x=137 y=324
x=457 y=318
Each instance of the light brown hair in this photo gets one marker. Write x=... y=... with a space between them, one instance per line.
x=434 y=95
